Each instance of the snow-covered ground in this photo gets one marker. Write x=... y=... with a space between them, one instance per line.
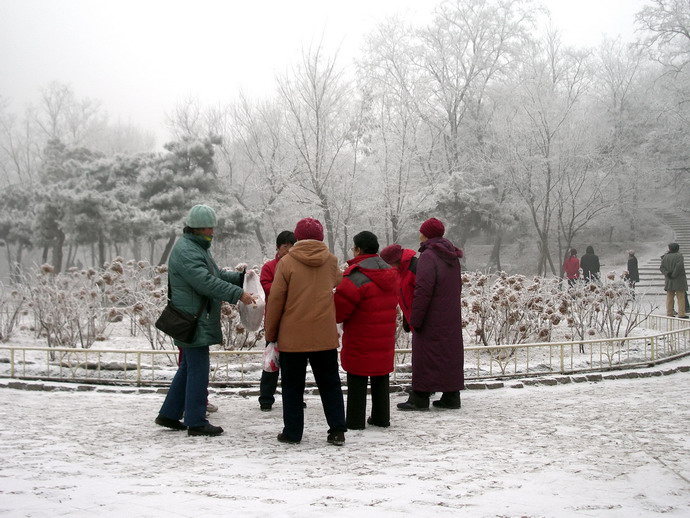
x=617 y=448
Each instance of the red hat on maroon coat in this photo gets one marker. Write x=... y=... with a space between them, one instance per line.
x=432 y=228
x=391 y=254
x=309 y=228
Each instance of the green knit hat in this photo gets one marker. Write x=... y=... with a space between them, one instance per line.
x=201 y=216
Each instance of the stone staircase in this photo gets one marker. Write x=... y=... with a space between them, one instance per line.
x=651 y=279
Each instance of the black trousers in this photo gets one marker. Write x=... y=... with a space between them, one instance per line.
x=267 y=387
x=293 y=371
x=357 y=401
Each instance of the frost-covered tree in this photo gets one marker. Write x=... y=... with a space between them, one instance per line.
x=317 y=101
x=16 y=216
x=538 y=132
x=266 y=163
x=177 y=180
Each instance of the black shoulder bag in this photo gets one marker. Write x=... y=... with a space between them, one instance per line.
x=179 y=324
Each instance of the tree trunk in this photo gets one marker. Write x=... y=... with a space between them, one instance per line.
x=495 y=258
x=260 y=239
x=57 y=252
x=168 y=247
x=136 y=249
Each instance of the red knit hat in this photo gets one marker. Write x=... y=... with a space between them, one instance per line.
x=391 y=254
x=432 y=228
x=309 y=228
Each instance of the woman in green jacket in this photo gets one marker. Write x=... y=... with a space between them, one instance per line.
x=196 y=280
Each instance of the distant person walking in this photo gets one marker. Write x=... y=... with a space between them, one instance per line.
x=300 y=317
x=195 y=279
x=589 y=264
x=404 y=262
x=633 y=275
x=437 y=348
x=571 y=267
x=366 y=302
x=676 y=284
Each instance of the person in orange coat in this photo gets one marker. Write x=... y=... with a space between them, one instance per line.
x=300 y=317
x=571 y=267
x=404 y=261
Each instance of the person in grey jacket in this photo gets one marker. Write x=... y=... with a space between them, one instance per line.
x=676 y=284
x=195 y=279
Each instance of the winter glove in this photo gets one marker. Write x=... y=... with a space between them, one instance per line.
x=669 y=275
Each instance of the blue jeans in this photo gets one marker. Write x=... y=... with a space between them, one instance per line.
x=187 y=393
x=293 y=370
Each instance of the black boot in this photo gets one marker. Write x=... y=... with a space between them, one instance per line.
x=449 y=400
x=208 y=430
x=416 y=401
x=173 y=424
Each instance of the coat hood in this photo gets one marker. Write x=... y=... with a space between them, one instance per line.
x=443 y=248
x=375 y=268
x=406 y=259
x=310 y=252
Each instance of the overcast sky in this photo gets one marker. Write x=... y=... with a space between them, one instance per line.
x=140 y=57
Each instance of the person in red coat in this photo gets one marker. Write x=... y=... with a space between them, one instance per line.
x=404 y=262
x=365 y=302
x=269 y=380
x=437 y=348
x=571 y=267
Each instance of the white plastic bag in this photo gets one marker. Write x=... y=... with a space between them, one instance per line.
x=271 y=357
x=251 y=315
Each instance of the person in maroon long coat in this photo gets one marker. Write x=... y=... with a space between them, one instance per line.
x=437 y=350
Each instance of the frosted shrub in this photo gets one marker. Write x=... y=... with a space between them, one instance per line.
x=144 y=293
x=12 y=302
x=502 y=309
x=68 y=308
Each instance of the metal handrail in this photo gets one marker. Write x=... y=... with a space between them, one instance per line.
x=155 y=367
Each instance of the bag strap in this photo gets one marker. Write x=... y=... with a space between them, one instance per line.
x=204 y=301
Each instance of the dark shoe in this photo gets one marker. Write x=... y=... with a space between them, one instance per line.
x=685 y=317
x=208 y=429
x=374 y=423
x=415 y=402
x=169 y=423
x=411 y=406
x=336 y=438
x=284 y=439
x=449 y=400
x=442 y=404
x=265 y=407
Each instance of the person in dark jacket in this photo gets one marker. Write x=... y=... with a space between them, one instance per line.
x=269 y=380
x=589 y=264
x=404 y=262
x=195 y=279
x=676 y=284
x=633 y=272
x=365 y=302
x=437 y=347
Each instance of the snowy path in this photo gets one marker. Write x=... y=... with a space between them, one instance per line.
x=618 y=448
